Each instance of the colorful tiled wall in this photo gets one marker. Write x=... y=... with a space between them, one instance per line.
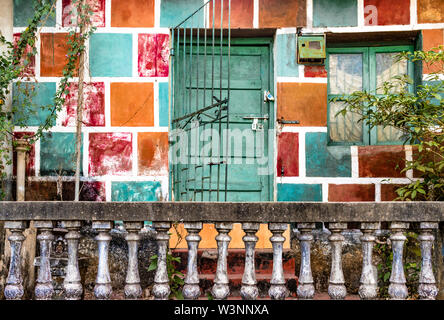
x=125 y=137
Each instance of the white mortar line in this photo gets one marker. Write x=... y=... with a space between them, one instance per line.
x=360 y=13
x=97 y=129
x=107 y=104
x=324 y=192
x=134 y=157
x=156 y=107
x=157 y=13
x=256 y=14
x=37 y=56
x=301 y=71
x=354 y=161
x=37 y=158
x=302 y=155
x=414 y=12
x=289 y=30
x=59 y=14
x=107 y=190
x=309 y=14
x=135 y=55
x=107 y=14
x=342 y=180
x=85 y=153
x=377 y=192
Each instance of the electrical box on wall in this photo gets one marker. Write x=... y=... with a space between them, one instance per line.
x=311 y=49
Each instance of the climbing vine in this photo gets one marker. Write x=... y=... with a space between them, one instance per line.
x=13 y=64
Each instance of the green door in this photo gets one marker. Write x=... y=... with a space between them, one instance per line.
x=241 y=170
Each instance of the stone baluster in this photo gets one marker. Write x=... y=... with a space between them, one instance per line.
x=191 y=289
x=221 y=289
x=305 y=288
x=103 y=288
x=72 y=282
x=397 y=288
x=427 y=285
x=14 y=282
x=278 y=290
x=336 y=287
x=44 y=289
x=249 y=290
x=161 y=288
x=368 y=289
x=133 y=290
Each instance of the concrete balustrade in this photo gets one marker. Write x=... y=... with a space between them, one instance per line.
x=339 y=217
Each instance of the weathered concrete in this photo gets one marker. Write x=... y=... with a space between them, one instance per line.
x=225 y=212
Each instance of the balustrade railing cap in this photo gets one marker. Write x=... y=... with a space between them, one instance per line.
x=248 y=212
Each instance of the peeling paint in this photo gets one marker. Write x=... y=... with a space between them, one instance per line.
x=110 y=154
x=94 y=105
x=153 y=55
x=69 y=13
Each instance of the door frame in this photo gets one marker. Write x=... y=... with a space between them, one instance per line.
x=241 y=41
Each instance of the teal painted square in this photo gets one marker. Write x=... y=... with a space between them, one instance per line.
x=41 y=94
x=57 y=154
x=299 y=192
x=286 y=55
x=335 y=13
x=135 y=191
x=163 y=104
x=326 y=161
x=24 y=12
x=111 y=55
x=173 y=12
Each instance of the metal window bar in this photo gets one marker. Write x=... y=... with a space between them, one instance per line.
x=204 y=175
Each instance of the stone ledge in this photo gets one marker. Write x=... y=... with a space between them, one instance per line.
x=255 y=212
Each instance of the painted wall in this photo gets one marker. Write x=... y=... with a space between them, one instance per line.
x=125 y=143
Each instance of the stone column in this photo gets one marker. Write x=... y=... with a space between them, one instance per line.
x=336 y=287
x=369 y=282
x=44 y=289
x=427 y=284
x=72 y=282
x=133 y=290
x=191 y=289
x=221 y=289
x=278 y=290
x=161 y=288
x=397 y=288
x=249 y=290
x=305 y=288
x=103 y=288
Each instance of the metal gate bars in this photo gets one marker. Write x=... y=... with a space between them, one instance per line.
x=200 y=96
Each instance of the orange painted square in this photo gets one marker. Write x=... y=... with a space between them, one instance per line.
x=209 y=233
x=305 y=102
x=430 y=11
x=278 y=13
x=241 y=14
x=132 y=13
x=132 y=105
x=53 y=54
x=432 y=39
x=153 y=153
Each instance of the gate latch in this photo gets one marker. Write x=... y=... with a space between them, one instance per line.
x=256 y=126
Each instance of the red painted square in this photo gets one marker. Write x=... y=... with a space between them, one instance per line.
x=288 y=154
x=351 y=192
x=381 y=161
x=30 y=156
x=388 y=191
x=153 y=55
x=384 y=12
x=110 y=154
x=93 y=191
x=93 y=107
x=29 y=71
x=315 y=72
x=69 y=13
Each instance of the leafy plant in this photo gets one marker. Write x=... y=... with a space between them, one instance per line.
x=412 y=257
x=175 y=277
x=13 y=64
x=418 y=115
